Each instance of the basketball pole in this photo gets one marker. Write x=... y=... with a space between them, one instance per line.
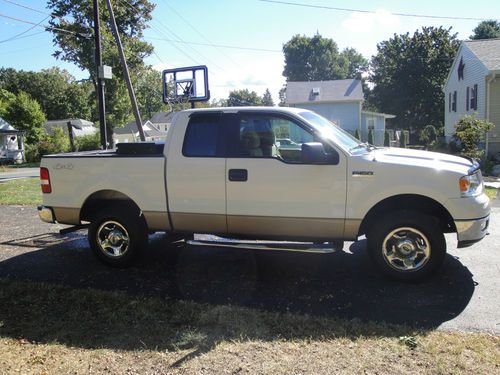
x=126 y=73
x=100 y=83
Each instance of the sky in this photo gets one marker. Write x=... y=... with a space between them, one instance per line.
x=241 y=40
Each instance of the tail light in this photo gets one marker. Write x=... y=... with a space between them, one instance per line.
x=45 y=180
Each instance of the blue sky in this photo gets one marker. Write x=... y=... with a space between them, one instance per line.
x=249 y=24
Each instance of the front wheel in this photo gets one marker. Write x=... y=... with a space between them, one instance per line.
x=117 y=236
x=407 y=245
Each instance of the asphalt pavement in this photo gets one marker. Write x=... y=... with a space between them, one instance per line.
x=20 y=173
x=463 y=295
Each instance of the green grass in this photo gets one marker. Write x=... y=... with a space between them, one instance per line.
x=47 y=328
x=25 y=191
x=491 y=192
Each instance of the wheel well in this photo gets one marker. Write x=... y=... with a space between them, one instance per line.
x=410 y=202
x=104 y=199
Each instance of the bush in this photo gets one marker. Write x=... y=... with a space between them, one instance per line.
x=402 y=140
x=49 y=144
x=469 y=132
x=387 y=141
x=370 y=137
x=88 y=142
x=428 y=136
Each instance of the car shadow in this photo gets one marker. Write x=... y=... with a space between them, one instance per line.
x=338 y=285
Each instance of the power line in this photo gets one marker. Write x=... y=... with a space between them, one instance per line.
x=216 y=45
x=46 y=27
x=372 y=11
x=32 y=9
x=19 y=36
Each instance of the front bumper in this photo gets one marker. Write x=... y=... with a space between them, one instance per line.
x=46 y=214
x=471 y=231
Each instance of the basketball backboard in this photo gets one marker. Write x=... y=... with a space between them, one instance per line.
x=188 y=84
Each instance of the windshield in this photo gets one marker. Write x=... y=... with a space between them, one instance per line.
x=329 y=130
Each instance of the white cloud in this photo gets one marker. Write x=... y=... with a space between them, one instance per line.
x=367 y=22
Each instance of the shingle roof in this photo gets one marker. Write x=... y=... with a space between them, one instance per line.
x=148 y=127
x=162 y=118
x=324 y=91
x=80 y=127
x=487 y=51
x=5 y=127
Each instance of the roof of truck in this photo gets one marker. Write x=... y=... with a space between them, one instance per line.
x=252 y=109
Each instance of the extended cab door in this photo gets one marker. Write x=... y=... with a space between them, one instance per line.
x=270 y=192
x=196 y=169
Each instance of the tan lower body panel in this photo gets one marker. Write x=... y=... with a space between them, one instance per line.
x=157 y=220
x=198 y=223
x=66 y=215
x=286 y=227
x=351 y=229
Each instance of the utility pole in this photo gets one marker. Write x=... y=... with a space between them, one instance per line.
x=100 y=82
x=126 y=74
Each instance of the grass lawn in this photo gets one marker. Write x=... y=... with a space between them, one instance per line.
x=25 y=191
x=10 y=167
x=491 y=192
x=52 y=329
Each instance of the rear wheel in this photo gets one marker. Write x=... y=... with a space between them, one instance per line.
x=118 y=236
x=407 y=245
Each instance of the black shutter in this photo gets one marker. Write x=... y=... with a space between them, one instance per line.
x=475 y=97
x=467 y=99
x=454 y=106
x=449 y=102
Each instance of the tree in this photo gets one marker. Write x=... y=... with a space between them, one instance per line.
x=387 y=141
x=428 y=135
x=402 y=140
x=486 y=30
x=409 y=72
x=56 y=90
x=24 y=113
x=131 y=19
x=282 y=96
x=319 y=59
x=469 y=131
x=267 y=99
x=370 y=136
x=6 y=98
x=240 y=98
x=149 y=92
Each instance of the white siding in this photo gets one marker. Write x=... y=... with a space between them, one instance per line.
x=346 y=114
x=474 y=74
x=494 y=115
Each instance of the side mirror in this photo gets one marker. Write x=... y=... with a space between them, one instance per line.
x=314 y=153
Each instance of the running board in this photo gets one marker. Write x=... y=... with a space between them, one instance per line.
x=303 y=247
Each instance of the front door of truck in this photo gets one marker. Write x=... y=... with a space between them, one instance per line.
x=270 y=192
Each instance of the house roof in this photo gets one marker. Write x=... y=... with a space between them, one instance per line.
x=487 y=51
x=162 y=117
x=6 y=128
x=80 y=127
x=131 y=128
x=324 y=91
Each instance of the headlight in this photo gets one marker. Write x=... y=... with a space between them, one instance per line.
x=471 y=185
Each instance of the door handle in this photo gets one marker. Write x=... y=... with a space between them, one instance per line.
x=238 y=175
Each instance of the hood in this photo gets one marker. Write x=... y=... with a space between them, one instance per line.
x=426 y=159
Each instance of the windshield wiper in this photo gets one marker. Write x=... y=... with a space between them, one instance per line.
x=366 y=146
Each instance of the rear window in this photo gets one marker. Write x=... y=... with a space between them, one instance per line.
x=203 y=136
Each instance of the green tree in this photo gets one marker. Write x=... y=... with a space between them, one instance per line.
x=486 y=30
x=149 y=92
x=6 y=98
x=428 y=135
x=56 y=90
x=131 y=20
x=267 y=99
x=282 y=96
x=469 y=131
x=241 y=98
x=24 y=113
x=402 y=140
x=409 y=72
x=319 y=59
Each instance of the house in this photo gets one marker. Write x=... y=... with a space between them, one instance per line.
x=11 y=143
x=162 y=120
x=78 y=127
x=339 y=101
x=473 y=87
x=130 y=133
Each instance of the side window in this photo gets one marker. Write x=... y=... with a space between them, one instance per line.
x=271 y=136
x=203 y=137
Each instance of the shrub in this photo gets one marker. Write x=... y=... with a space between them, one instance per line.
x=469 y=132
x=428 y=135
x=387 y=141
x=370 y=136
x=88 y=142
x=402 y=140
x=55 y=143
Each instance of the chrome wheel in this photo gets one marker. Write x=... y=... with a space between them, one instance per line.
x=113 y=239
x=406 y=249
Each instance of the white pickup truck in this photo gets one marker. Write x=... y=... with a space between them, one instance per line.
x=222 y=171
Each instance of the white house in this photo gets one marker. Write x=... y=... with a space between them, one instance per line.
x=473 y=86
x=78 y=127
x=11 y=143
x=130 y=133
x=339 y=101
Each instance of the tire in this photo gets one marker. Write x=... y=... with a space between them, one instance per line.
x=407 y=245
x=118 y=236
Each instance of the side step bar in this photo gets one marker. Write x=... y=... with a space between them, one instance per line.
x=304 y=247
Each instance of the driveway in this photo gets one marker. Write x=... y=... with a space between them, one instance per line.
x=462 y=296
x=20 y=173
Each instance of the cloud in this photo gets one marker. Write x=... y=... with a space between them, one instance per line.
x=367 y=22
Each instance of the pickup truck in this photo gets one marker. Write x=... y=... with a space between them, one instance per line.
x=221 y=171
